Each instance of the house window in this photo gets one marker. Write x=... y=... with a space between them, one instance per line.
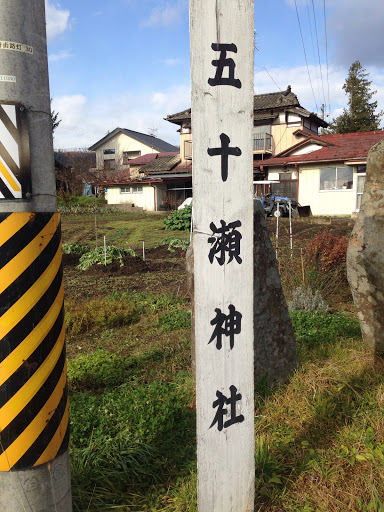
x=128 y=155
x=361 y=168
x=262 y=139
x=188 y=150
x=287 y=186
x=109 y=151
x=137 y=189
x=336 y=178
x=359 y=190
x=125 y=190
x=109 y=164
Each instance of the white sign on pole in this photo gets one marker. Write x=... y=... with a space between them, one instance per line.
x=222 y=124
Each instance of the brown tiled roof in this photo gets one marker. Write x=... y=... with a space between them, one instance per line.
x=144 y=159
x=160 y=164
x=282 y=99
x=340 y=147
x=260 y=102
x=275 y=100
x=179 y=116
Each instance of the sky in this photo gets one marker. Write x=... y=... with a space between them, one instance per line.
x=125 y=63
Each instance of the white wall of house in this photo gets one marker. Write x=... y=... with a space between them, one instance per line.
x=121 y=143
x=339 y=202
x=145 y=199
x=307 y=149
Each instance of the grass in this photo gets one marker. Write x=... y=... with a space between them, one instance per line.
x=124 y=229
x=319 y=438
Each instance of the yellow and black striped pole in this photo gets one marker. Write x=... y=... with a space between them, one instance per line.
x=33 y=394
x=34 y=417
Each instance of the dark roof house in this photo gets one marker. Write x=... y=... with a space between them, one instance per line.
x=148 y=140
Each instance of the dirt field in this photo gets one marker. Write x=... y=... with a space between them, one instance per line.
x=164 y=271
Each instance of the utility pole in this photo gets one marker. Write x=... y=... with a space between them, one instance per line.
x=222 y=47
x=34 y=434
x=322 y=111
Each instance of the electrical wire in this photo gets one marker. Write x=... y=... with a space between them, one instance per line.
x=263 y=68
x=313 y=50
x=326 y=55
x=318 y=51
x=305 y=55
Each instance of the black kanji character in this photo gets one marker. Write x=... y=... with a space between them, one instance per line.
x=221 y=412
x=224 y=151
x=223 y=62
x=227 y=325
x=225 y=240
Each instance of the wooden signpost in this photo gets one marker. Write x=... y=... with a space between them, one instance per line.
x=222 y=123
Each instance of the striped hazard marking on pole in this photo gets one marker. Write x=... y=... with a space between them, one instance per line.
x=33 y=393
x=14 y=151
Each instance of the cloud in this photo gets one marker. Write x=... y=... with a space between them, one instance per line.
x=297 y=77
x=54 y=57
x=357 y=32
x=73 y=112
x=84 y=122
x=172 y=62
x=57 y=20
x=168 y=13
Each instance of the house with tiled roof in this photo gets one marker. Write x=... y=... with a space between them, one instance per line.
x=161 y=183
x=136 y=164
x=121 y=145
x=325 y=172
x=276 y=118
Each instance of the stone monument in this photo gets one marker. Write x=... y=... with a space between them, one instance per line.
x=365 y=257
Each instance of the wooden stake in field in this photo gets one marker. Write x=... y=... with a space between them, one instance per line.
x=222 y=123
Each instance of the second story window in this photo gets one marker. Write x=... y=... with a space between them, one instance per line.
x=109 y=164
x=128 y=155
x=262 y=139
x=188 y=150
x=109 y=151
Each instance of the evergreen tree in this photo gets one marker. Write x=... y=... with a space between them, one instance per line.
x=55 y=119
x=360 y=115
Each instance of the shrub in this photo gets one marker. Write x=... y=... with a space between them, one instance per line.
x=74 y=248
x=106 y=313
x=175 y=320
x=179 y=219
x=98 y=256
x=174 y=243
x=97 y=370
x=327 y=251
x=304 y=299
x=317 y=327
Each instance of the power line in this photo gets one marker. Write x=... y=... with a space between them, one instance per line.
x=305 y=55
x=270 y=76
x=313 y=50
x=318 y=50
x=326 y=55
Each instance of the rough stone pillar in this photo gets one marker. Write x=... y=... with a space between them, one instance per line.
x=365 y=257
x=274 y=339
